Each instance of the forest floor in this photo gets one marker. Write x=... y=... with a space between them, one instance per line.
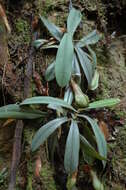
x=111 y=55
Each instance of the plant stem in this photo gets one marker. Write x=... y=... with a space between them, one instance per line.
x=16 y=153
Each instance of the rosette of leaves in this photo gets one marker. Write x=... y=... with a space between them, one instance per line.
x=87 y=138
x=71 y=59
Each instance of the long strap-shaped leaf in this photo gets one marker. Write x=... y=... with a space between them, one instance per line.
x=94 y=58
x=50 y=46
x=91 y=38
x=38 y=43
x=64 y=57
x=54 y=30
x=68 y=96
x=89 y=149
x=15 y=112
x=50 y=72
x=45 y=131
x=85 y=64
x=76 y=69
x=104 y=103
x=46 y=100
x=72 y=149
x=100 y=139
x=73 y=20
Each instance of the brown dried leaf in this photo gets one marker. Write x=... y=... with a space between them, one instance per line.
x=38 y=166
x=4 y=18
x=4 y=29
x=35 y=23
x=41 y=89
x=104 y=128
x=8 y=122
x=59 y=132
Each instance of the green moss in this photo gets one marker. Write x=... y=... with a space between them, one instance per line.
x=28 y=134
x=45 y=6
x=111 y=65
x=23 y=30
x=29 y=175
x=46 y=174
x=49 y=9
x=47 y=177
x=118 y=161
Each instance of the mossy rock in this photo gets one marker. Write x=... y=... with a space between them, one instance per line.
x=23 y=30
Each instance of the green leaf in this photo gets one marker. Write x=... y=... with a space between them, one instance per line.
x=100 y=139
x=97 y=184
x=70 y=5
x=91 y=38
x=52 y=144
x=85 y=64
x=64 y=57
x=54 y=30
x=76 y=69
x=38 y=43
x=88 y=134
x=50 y=72
x=68 y=96
x=73 y=20
x=95 y=81
x=13 y=111
x=50 y=46
x=94 y=58
x=104 y=103
x=72 y=149
x=46 y=100
x=59 y=109
x=45 y=131
x=89 y=149
x=88 y=159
